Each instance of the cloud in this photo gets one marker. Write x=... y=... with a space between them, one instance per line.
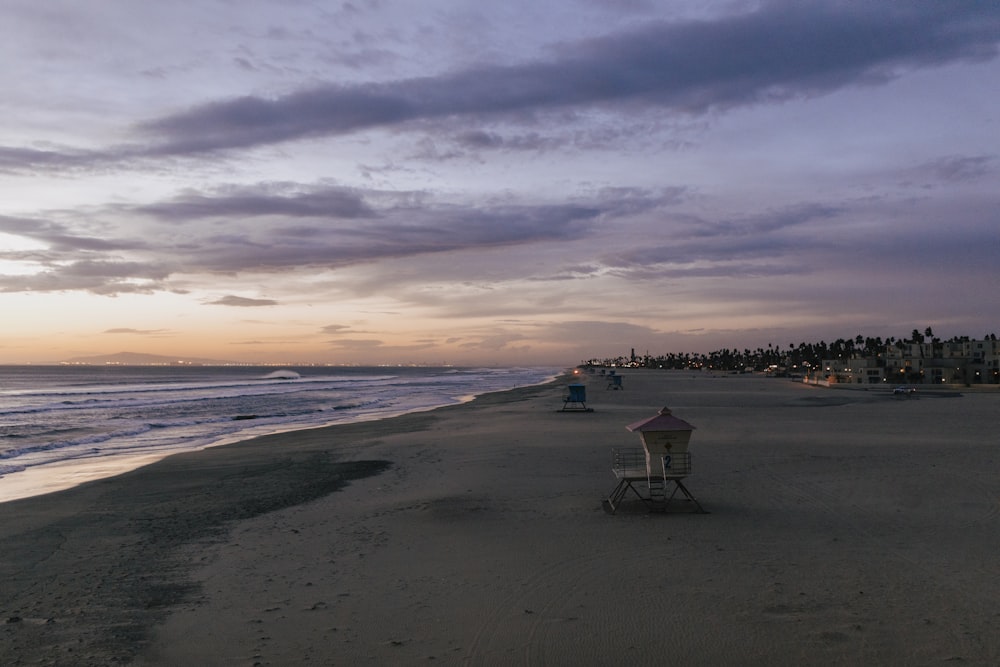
x=242 y=302
x=18 y=160
x=14 y=159
x=54 y=234
x=479 y=140
x=780 y=51
x=582 y=337
x=107 y=277
x=398 y=232
x=762 y=244
x=787 y=218
x=961 y=168
x=626 y=234
x=287 y=200
x=357 y=344
x=138 y=332
x=278 y=227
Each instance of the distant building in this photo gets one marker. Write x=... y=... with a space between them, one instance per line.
x=962 y=362
x=984 y=362
x=855 y=370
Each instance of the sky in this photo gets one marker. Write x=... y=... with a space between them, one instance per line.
x=515 y=183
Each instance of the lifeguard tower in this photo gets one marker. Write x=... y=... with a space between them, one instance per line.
x=576 y=399
x=614 y=381
x=655 y=468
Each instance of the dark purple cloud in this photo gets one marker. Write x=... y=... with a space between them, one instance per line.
x=398 y=233
x=780 y=51
x=60 y=238
x=791 y=217
x=219 y=232
x=735 y=246
x=257 y=201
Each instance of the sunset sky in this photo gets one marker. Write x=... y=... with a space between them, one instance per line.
x=515 y=182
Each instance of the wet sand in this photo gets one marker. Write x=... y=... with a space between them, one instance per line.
x=844 y=527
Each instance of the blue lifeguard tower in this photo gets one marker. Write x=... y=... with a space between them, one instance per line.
x=576 y=399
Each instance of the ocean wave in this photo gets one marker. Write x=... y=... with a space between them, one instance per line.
x=205 y=429
x=282 y=375
x=87 y=441
x=120 y=400
x=251 y=386
x=59 y=422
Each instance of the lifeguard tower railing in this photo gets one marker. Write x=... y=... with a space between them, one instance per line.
x=630 y=467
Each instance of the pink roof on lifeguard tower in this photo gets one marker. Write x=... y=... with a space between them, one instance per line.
x=662 y=421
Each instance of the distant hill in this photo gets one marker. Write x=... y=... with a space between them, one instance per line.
x=140 y=359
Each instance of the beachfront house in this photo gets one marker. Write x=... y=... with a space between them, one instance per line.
x=855 y=369
x=984 y=362
x=964 y=362
x=957 y=362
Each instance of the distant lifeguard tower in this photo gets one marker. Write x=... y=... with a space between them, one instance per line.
x=655 y=468
x=576 y=399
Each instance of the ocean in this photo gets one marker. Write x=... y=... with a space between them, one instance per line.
x=111 y=418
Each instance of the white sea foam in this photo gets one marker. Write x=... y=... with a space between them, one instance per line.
x=282 y=375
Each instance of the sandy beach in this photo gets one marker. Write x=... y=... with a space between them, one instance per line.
x=844 y=527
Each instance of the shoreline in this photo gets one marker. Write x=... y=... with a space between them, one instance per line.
x=118 y=538
x=61 y=475
x=473 y=534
